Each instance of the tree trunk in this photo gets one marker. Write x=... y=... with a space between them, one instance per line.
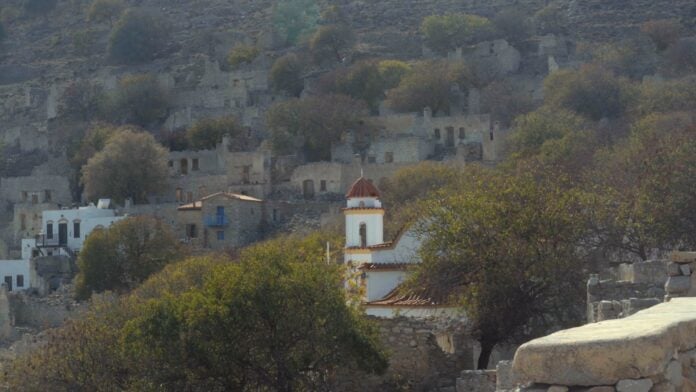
x=486 y=350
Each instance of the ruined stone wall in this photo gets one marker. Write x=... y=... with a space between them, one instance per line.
x=635 y=286
x=425 y=355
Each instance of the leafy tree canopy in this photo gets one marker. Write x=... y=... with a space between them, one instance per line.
x=506 y=247
x=137 y=37
x=120 y=257
x=131 y=165
x=314 y=123
x=139 y=99
x=331 y=42
x=206 y=134
x=444 y=33
x=242 y=54
x=101 y=11
x=286 y=75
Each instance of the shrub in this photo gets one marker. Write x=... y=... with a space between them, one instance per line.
x=392 y=71
x=551 y=19
x=286 y=75
x=242 y=54
x=448 y=32
x=39 y=7
x=505 y=101
x=359 y=81
x=663 y=32
x=101 y=11
x=139 y=99
x=137 y=37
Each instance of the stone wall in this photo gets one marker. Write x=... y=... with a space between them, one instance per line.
x=425 y=355
x=681 y=281
x=652 y=350
x=636 y=286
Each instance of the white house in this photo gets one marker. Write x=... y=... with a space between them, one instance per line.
x=16 y=274
x=384 y=266
x=67 y=229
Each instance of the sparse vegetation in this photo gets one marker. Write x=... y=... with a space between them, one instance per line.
x=663 y=32
x=137 y=37
x=295 y=20
x=38 y=7
x=551 y=19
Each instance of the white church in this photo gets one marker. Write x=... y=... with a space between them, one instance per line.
x=383 y=266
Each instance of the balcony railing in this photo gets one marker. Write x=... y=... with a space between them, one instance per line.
x=216 y=221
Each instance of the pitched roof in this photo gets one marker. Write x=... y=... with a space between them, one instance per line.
x=362 y=188
x=416 y=298
x=386 y=266
x=230 y=195
x=196 y=205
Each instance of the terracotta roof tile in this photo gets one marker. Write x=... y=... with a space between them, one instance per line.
x=399 y=297
x=362 y=188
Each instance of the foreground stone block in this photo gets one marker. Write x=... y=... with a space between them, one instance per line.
x=678 y=284
x=636 y=347
x=634 y=385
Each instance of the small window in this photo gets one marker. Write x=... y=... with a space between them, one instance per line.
x=437 y=134
x=322 y=185
x=34 y=198
x=76 y=229
x=252 y=211
x=371 y=159
x=49 y=231
x=47 y=196
x=179 y=196
x=388 y=157
x=8 y=282
x=490 y=135
x=194 y=164
x=220 y=235
x=220 y=211
x=20 y=280
x=462 y=133
x=22 y=221
x=170 y=163
x=189 y=197
x=25 y=196
x=191 y=231
x=275 y=215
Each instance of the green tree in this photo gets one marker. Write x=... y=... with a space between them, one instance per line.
x=242 y=54
x=124 y=255
x=534 y=129
x=138 y=99
x=648 y=181
x=295 y=20
x=513 y=24
x=392 y=71
x=137 y=37
x=286 y=75
x=666 y=96
x=101 y=11
x=591 y=91
x=207 y=133
x=662 y=32
x=92 y=141
x=131 y=165
x=313 y=124
x=429 y=84
x=505 y=100
x=444 y=33
x=332 y=41
x=682 y=56
x=506 y=246
x=359 y=81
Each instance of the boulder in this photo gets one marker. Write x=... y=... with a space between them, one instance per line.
x=678 y=284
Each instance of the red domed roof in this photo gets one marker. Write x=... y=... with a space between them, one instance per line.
x=362 y=188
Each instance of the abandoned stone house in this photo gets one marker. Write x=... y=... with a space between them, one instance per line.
x=221 y=220
x=195 y=174
x=384 y=265
x=22 y=201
